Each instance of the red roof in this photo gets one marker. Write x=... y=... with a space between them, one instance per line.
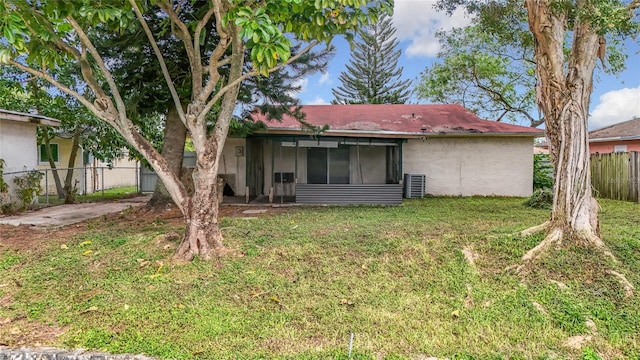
x=396 y=120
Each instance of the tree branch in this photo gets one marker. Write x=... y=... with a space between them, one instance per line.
x=201 y=25
x=184 y=35
x=240 y=79
x=163 y=65
x=41 y=74
x=500 y=98
x=84 y=39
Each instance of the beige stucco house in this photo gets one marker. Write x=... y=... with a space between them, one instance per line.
x=378 y=153
x=89 y=174
x=18 y=142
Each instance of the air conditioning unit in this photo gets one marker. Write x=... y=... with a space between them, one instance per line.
x=415 y=186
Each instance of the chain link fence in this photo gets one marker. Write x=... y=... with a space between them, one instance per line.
x=84 y=180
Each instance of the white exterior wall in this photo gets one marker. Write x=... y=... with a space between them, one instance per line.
x=17 y=149
x=472 y=166
x=235 y=164
x=123 y=172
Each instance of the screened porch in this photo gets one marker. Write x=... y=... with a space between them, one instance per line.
x=324 y=170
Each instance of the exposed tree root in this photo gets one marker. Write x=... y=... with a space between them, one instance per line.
x=470 y=256
x=555 y=236
x=628 y=287
x=536 y=229
x=600 y=245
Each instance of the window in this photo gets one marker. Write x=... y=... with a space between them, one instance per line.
x=43 y=153
x=328 y=165
x=619 y=148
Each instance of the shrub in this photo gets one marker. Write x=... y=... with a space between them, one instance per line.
x=28 y=187
x=541 y=199
x=542 y=172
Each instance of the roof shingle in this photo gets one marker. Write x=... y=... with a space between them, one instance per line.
x=630 y=128
x=399 y=119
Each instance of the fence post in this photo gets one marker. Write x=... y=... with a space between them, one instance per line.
x=102 y=180
x=46 y=185
x=137 y=178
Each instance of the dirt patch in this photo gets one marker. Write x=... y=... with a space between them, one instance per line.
x=26 y=238
x=24 y=332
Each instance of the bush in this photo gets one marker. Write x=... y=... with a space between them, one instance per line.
x=542 y=172
x=541 y=199
x=28 y=187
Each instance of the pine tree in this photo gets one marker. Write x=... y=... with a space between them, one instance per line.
x=373 y=75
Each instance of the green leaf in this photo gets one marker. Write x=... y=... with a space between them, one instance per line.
x=9 y=35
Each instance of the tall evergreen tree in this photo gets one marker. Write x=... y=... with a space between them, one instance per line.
x=373 y=75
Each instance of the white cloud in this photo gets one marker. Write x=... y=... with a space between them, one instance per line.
x=616 y=106
x=417 y=21
x=302 y=84
x=318 y=101
x=325 y=78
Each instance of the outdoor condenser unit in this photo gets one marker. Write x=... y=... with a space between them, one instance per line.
x=415 y=185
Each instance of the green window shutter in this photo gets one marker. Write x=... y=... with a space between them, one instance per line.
x=43 y=153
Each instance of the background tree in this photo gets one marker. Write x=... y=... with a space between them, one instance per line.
x=55 y=33
x=492 y=76
x=373 y=75
x=568 y=37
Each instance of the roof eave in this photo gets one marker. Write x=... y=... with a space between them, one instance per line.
x=616 y=138
x=28 y=118
x=400 y=134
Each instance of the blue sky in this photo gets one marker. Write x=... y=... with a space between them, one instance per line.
x=614 y=98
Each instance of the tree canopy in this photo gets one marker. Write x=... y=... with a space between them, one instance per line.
x=47 y=35
x=489 y=66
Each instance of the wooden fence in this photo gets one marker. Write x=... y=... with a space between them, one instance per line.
x=616 y=175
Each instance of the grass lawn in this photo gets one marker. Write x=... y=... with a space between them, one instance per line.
x=395 y=277
x=106 y=195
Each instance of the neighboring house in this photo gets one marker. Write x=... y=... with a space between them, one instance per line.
x=18 y=142
x=90 y=175
x=621 y=137
x=364 y=155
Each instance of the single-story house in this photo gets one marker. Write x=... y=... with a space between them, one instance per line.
x=90 y=174
x=18 y=142
x=621 y=137
x=377 y=153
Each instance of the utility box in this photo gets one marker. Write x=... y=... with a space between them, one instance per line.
x=415 y=186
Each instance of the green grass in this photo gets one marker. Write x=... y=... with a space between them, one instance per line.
x=108 y=194
x=394 y=276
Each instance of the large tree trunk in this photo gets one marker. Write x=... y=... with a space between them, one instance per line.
x=175 y=134
x=203 y=236
x=564 y=89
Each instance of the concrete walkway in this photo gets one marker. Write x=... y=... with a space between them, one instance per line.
x=26 y=353
x=62 y=215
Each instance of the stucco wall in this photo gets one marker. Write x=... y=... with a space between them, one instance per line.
x=472 y=166
x=234 y=164
x=17 y=148
x=607 y=146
